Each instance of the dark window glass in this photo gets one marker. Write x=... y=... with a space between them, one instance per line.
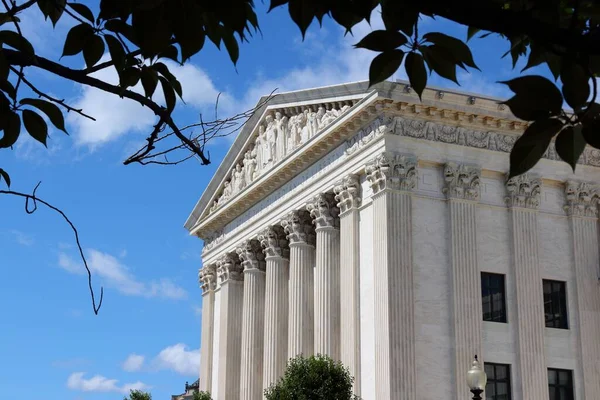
x=560 y=384
x=498 y=381
x=493 y=297
x=555 y=304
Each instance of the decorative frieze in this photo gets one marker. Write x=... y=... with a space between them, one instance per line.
x=393 y=171
x=298 y=227
x=582 y=199
x=324 y=211
x=379 y=127
x=207 y=276
x=213 y=239
x=229 y=268
x=251 y=255
x=347 y=193
x=274 y=242
x=462 y=182
x=523 y=191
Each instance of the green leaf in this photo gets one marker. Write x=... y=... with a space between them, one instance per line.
x=570 y=144
x=93 y=50
x=129 y=77
x=152 y=30
x=164 y=71
x=12 y=129
x=4 y=70
x=4 y=175
x=52 y=9
x=171 y=53
x=232 y=47
x=82 y=10
x=532 y=145
x=76 y=39
x=381 y=41
x=276 y=3
x=440 y=61
x=169 y=93
x=591 y=125
x=116 y=51
x=302 y=13
x=455 y=47
x=120 y=27
x=399 y=15
x=36 y=126
x=8 y=88
x=472 y=31
x=16 y=41
x=50 y=109
x=417 y=74
x=384 y=65
x=576 y=87
x=149 y=81
x=536 y=98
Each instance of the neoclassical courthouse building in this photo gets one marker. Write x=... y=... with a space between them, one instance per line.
x=373 y=227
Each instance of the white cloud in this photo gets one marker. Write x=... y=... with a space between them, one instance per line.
x=114 y=274
x=22 y=238
x=133 y=363
x=116 y=117
x=99 y=383
x=179 y=359
x=197 y=310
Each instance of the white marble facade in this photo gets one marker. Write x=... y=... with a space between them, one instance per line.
x=356 y=222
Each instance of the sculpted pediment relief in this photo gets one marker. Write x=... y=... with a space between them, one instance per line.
x=277 y=136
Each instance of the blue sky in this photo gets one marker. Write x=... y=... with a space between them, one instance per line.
x=130 y=218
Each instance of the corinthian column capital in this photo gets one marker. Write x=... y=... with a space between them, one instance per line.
x=274 y=242
x=298 y=228
x=523 y=191
x=324 y=211
x=462 y=182
x=229 y=268
x=251 y=255
x=582 y=199
x=347 y=193
x=207 y=277
x=394 y=171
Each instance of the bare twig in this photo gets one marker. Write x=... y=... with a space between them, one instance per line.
x=20 y=74
x=55 y=100
x=16 y=9
x=33 y=197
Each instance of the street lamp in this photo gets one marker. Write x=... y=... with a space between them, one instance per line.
x=476 y=379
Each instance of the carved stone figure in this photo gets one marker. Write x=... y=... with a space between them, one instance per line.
x=318 y=118
x=309 y=125
x=249 y=166
x=293 y=138
x=281 y=138
x=259 y=148
x=270 y=141
x=240 y=179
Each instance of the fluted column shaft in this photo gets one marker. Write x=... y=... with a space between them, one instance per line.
x=392 y=176
x=252 y=321
x=276 y=319
x=583 y=217
x=230 y=341
x=462 y=183
x=301 y=305
x=208 y=280
x=348 y=197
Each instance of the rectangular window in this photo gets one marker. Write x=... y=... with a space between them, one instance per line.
x=560 y=384
x=498 y=382
x=493 y=297
x=555 y=304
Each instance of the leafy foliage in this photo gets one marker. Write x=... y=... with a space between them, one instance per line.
x=202 y=395
x=138 y=395
x=313 y=378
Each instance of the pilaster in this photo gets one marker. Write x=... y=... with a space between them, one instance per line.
x=253 y=262
x=207 y=277
x=523 y=199
x=462 y=189
x=347 y=194
x=231 y=279
x=277 y=253
x=301 y=236
x=582 y=209
x=392 y=177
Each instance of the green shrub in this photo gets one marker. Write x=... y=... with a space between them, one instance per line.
x=202 y=396
x=313 y=378
x=138 y=395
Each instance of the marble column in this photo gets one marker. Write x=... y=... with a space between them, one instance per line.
x=463 y=192
x=347 y=194
x=301 y=236
x=392 y=177
x=581 y=207
x=277 y=254
x=253 y=262
x=208 y=282
x=230 y=340
x=523 y=200
x=325 y=213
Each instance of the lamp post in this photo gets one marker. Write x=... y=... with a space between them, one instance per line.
x=476 y=379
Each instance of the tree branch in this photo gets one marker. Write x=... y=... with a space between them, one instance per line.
x=14 y=10
x=32 y=197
